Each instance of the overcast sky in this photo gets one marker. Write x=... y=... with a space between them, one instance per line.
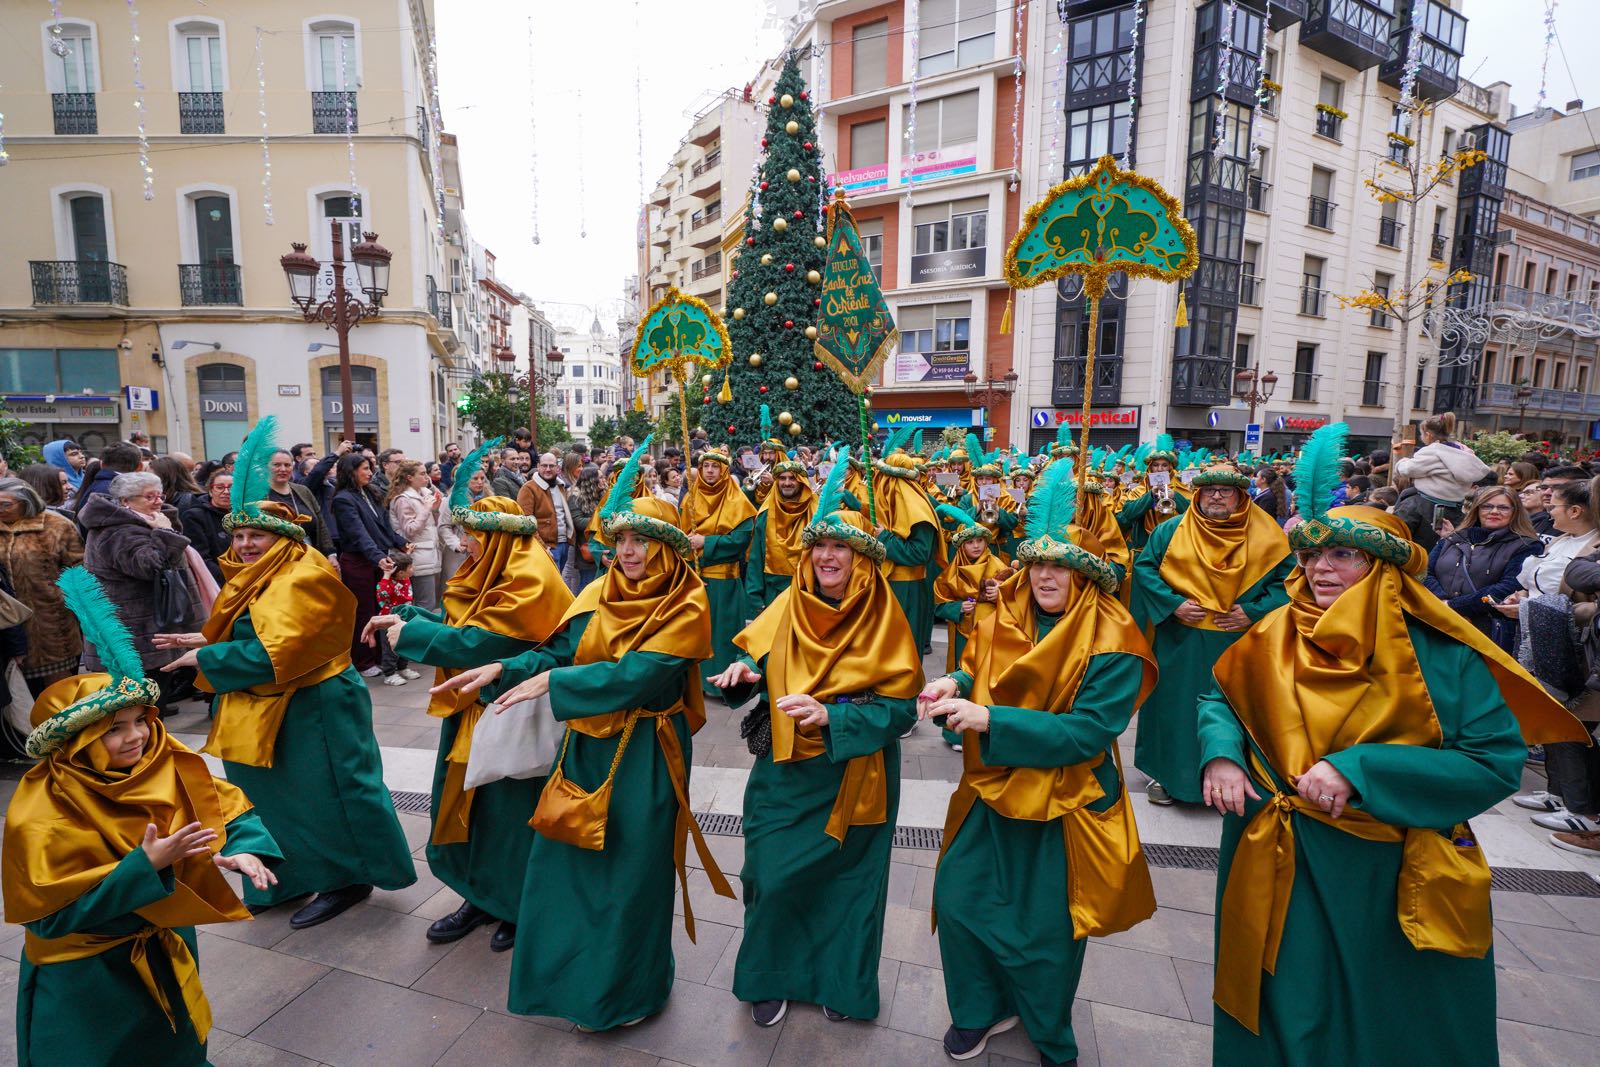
x=584 y=57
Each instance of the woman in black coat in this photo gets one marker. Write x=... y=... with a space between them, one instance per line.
x=1479 y=562
x=365 y=541
x=202 y=521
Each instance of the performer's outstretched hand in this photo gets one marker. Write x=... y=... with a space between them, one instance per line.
x=191 y=840
x=190 y=658
x=178 y=640
x=738 y=673
x=937 y=690
x=1224 y=785
x=962 y=715
x=532 y=689
x=805 y=710
x=392 y=623
x=471 y=680
x=249 y=866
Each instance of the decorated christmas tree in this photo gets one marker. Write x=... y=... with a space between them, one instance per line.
x=777 y=289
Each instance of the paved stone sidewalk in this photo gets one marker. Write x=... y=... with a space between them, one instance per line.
x=367 y=988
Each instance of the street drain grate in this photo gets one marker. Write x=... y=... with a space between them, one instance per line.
x=412 y=803
x=1182 y=857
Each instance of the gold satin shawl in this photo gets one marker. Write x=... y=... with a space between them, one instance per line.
x=862 y=646
x=1214 y=562
x=302 y=615
x=72 y=820
x=715 y=510
x=1344 y=676
x=962 y=579
x=514 y=589
x=786 y=521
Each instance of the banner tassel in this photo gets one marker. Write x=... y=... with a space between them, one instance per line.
x=1183 y=312
x=1005 y=319
x=726 y=396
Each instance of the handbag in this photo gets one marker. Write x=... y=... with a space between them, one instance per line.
x=13 y=612
x=18 y=713
x=572 y=815
x=1442 y=897
x=171 y=598
x=516 y=741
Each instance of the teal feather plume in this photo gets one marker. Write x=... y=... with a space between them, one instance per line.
x=974 y=449
x=1054 y=502
x=830 y=498
x=1116 y=457
x=1164 y=443
x=766 y=422
x=897 y=439
x=101 y=624
x=916 y=442
x=460 y=492
x=620 y=498
x=250 y=475
x=1316 y=474
x=959 y=516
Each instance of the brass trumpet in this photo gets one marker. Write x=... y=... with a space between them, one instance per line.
x=1164 y=504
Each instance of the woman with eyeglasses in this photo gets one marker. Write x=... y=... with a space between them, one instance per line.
x=1346 y=776
x=1574 y=521
x=1531 y=496
x=1475 y=567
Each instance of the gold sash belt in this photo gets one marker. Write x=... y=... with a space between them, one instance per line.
x=897 y=573
x=719 y=570
x=43 y=951
x=247 y=723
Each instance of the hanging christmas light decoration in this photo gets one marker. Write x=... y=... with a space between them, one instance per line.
x=1016 y=100
x=820 y=71
x=348 y=96
x=1413 y=66
x=1133 y=83
x=1262 y=92
x=583 y=208
x=4 y=156
x=1549 y=41
x=59 y=47
x=638 y=97
x=914 y=17
x=1058 y=53
x=1219 y=134
x=261 y=113
x=146 y=171
x=533 y=142
x=437 y=162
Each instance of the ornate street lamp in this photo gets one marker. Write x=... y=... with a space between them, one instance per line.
x=342 y=311
x=1253 y=387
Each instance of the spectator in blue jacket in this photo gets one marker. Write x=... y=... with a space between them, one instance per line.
x=1479 y=562
x=365 y=541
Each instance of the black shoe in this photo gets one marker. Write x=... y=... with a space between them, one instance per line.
x=325 y=906
x=962 y=1044
x=504 y=939
x=834 y=1016
x=1046 y=1061
x=769 y=1012
x=458 y=924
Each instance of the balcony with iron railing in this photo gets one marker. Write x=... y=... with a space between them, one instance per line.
x=710 y=162
x=79 y=282
x=1250 y=288
x=1329 y=125
x=200 y=113
x=1565 y=402
x=1438 y=244
x=1319 y=213
x=706 y=268
x=1436 y=50
x=1582 y=316
x=1355 y=32
x=74 y=113
x=334 y=112
x=1313 y=298
x=697 y=220
x=1256 y=193
x=1389 y=232
x=209 y=284
x=1372 y=392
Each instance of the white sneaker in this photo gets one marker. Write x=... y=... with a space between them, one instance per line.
x=1539 y=800
x=394 y=679
x=372 y=672
x=1568 y=822
x=410 y=674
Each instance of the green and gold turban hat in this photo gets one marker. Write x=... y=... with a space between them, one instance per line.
x=461 y=510
x=1316 y=476
x=646 y=515
x=249 y=503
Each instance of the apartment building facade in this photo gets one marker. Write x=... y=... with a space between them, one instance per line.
x=1304 y=94
x=590 y=384
x=169 y=281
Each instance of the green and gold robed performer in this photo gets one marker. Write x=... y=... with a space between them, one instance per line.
x=840 y=676
x=507 y=598
x=775 y=540
x=293 y=719
x=612 y=822
x=720 y=523
x=1040 y=847
x=115 y=844
x=909 y=530
x=1203 y=579
x=1351 y=736
x=1161 y=495
x=966 y=591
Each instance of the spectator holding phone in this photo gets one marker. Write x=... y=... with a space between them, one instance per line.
x=1475 y=567
x=1442 y=472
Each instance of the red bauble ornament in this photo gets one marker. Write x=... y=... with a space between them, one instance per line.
x=803 y=95
x=706 y=399
x=789 y=267
x=808 y=146
x=763 y=142
x=799 y=214
x=763 y=389
x=749 y=240
x=763 y=187
x=788 y=324
x=816 y=301
x=772 y=100
x=812 y=178
x=731 y=430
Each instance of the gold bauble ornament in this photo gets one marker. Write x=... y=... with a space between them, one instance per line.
x=786 y=100
x=794 y=429
x=784 y=418
x=791 y=382
x=779 y=225
x=793 y=175
x=738 y=313
x=820 y=241
x=766 y=259
x=811 y=333
x=705 y=379
x=791 y=127
x=755 y=359
x=770 y=299
x=813 y=276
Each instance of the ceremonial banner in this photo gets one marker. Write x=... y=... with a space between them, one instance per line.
x=855 y=330
x=680 y=330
